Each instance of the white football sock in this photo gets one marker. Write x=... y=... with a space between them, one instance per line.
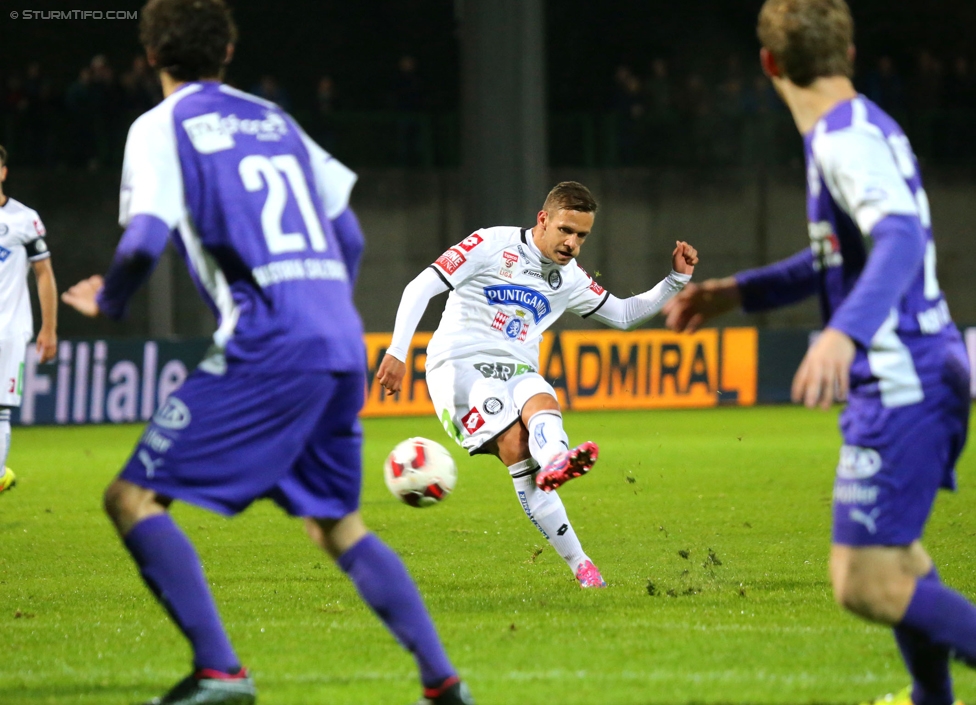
x=546 y=511
x=4 y=438
x=546 y=436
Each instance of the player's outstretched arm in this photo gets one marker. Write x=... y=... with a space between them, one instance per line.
x=779 y=284
x=413 y=303
x=47 y=294
x=135 y=258
x=628 y=313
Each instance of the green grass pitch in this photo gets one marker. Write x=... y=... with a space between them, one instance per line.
x=712 y=528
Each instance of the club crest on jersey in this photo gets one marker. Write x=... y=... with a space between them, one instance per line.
x=493 y=405
x=514 y=295
x=472 y=421
x=555 y=279
x=450 y=261
x=4 y=229
x=514 y=328
x=4 y=254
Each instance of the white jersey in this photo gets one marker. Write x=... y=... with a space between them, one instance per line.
x=504 y=296
x=21 y=242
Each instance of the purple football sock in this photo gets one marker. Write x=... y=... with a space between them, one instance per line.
x=928 y=663
x=386 y=586
x=171 y=568
x=943 y=615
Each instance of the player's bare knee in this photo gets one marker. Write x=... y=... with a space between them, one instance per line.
x=512 y=446
x=336 y=536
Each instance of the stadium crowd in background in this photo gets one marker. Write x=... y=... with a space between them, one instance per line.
x=649 y=115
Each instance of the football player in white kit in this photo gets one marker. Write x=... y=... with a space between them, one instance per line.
x=508 y=286
x=21 y=244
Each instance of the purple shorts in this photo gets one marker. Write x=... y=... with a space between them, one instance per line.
x=223 y=441
x=893 y=463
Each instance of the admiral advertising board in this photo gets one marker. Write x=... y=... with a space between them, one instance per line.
x=125 y=381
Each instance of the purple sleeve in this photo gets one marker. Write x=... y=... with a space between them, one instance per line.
x=351 y=240
x=894 y=262
x=135 y=258
x=779 y=284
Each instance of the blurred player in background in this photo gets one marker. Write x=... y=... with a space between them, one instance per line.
x=21 y=244
x=260 y=214
x=508 y=286
x=889 y=345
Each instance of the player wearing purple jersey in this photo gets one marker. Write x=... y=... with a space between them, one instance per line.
x=261 y=216
x=889 y=345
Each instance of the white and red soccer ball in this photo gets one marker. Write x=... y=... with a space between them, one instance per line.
x=420 y=472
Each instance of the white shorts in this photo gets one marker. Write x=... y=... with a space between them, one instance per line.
x=13 y=352
x=473 y=397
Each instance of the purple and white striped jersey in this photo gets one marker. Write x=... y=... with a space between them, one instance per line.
x=247 y=199
x=862 y=177
x=872 y=257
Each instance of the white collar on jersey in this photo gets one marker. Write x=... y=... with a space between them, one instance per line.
x=529 y=242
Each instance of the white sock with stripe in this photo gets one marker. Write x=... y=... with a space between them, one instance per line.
x=546 y=436
x=546 y=512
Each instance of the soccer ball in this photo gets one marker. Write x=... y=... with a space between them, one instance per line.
x=420 y=472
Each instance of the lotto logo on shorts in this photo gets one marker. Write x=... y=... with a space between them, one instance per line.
x=450 y=261
x=500 y=320
x=472 y=421
x=471 y=242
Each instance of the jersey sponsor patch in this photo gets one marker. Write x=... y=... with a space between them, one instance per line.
x=514 y=295
x=510 y=258
x=472 y=421
x=471 y=242
x=450 y=261
x=207 y=133
x=596 y=288
x=39 y=228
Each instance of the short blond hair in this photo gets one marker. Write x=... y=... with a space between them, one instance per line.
x=570 y=196
x=809 y=39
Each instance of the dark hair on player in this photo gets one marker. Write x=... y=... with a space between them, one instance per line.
x=3 y=156
x=570 y=196
x=809 y=39
x=188 y=38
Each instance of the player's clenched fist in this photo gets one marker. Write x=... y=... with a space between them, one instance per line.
x=390 y=374
x=684 y=258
